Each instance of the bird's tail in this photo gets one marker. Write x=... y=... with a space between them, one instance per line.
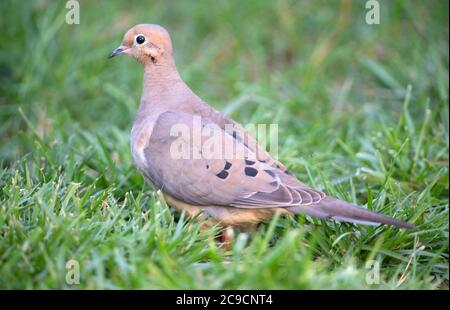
x=339 y=210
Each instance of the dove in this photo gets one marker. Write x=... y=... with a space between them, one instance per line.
x=240 y=190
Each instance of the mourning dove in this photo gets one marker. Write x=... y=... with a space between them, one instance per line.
x=238 y=190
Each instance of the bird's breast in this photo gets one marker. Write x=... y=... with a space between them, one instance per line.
x=140 y=137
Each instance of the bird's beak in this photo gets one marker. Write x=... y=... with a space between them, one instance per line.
x=118 y=51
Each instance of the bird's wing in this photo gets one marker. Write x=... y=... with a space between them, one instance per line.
x=237 y=131
x=201 y=164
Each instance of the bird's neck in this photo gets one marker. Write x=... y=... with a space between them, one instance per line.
x=163 y=89
x=161 y=81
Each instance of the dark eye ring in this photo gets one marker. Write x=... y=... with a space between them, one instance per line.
x=140 y=39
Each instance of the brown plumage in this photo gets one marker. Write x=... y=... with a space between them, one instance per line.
x=239 y=191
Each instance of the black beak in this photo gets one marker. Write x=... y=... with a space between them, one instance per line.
x=117 y=51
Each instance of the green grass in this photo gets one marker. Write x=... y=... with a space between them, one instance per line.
x=362 y=112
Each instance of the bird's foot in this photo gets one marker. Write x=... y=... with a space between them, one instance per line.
x=226 y=238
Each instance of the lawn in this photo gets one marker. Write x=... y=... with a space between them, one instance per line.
x=362 y=112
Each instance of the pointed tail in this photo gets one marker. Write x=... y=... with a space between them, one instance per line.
x=340 y=210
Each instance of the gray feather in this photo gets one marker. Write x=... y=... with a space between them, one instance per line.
x=332 y=208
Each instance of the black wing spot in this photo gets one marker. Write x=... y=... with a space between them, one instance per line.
x=222 y=174
x=251 y=172
x=234 y=134
x=287 y=172
x=270 y=172
x=227 y=165
x=249 y=162
x=207 y=166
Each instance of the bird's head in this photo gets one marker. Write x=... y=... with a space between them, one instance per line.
x=147 y=43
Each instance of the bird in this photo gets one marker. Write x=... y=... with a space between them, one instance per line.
x=240 y=190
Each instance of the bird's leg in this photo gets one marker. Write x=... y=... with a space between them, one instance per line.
x=226 y=238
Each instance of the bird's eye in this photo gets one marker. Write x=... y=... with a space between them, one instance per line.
x=140 y=39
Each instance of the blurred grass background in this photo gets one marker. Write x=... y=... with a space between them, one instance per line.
x=362 y=112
